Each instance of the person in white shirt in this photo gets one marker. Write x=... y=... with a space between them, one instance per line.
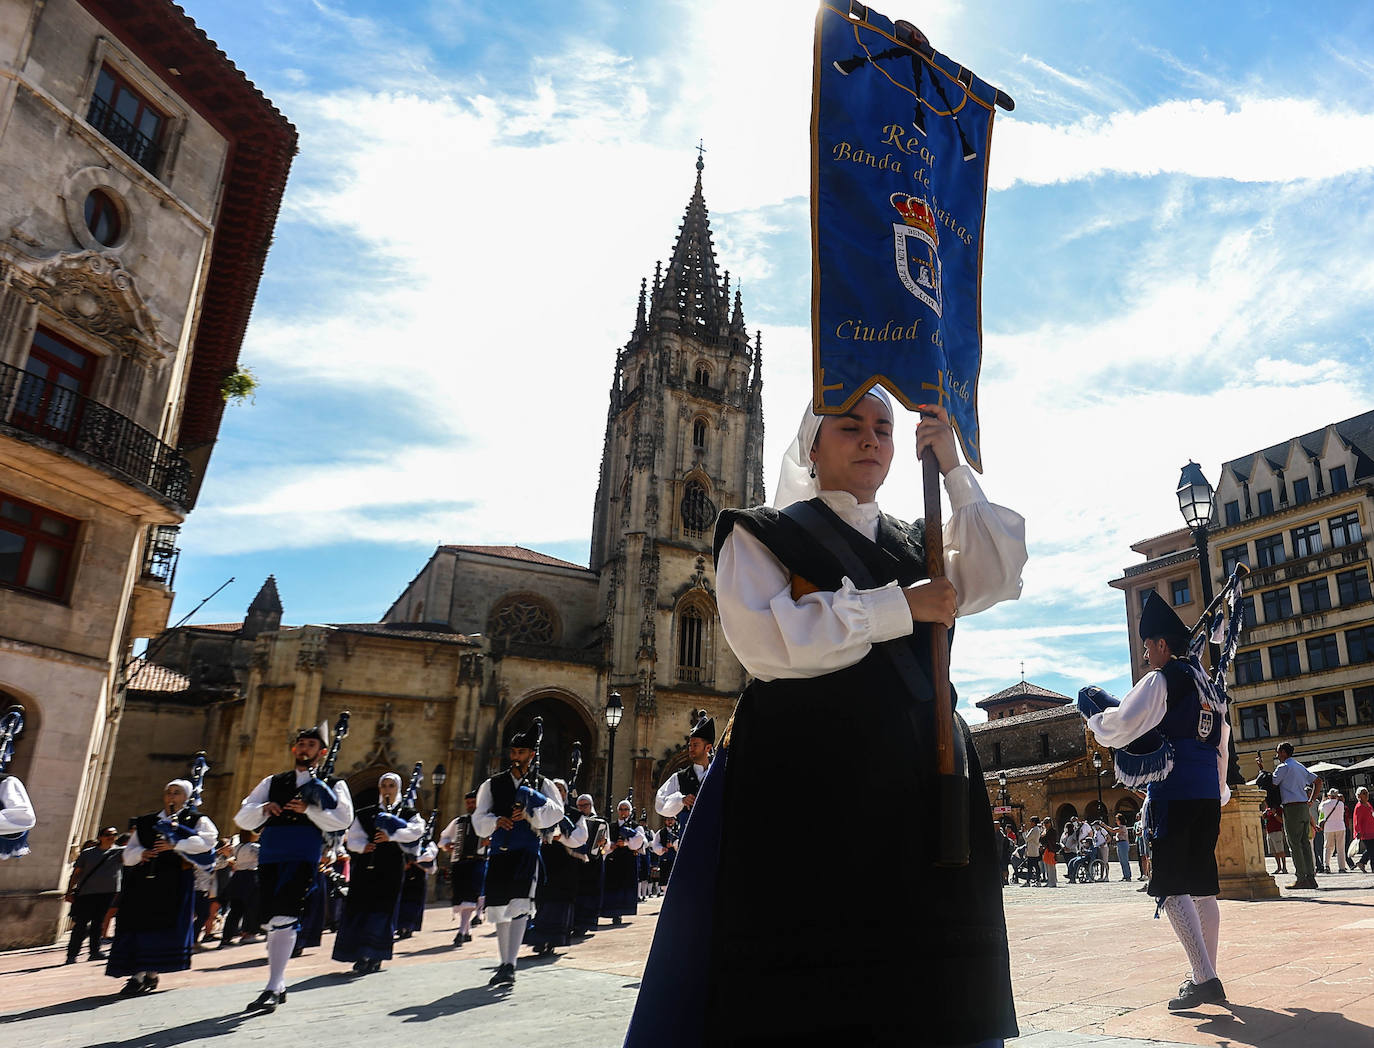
x=556 y=897
x=467 y=867
x=293 y=811
x=241 y=920
x=511 y=812
x=1332 y=819
x=827 y=603
x=17 y=818
x=679 y=791
x=156 y=924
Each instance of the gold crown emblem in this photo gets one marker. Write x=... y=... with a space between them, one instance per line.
x=916 y=212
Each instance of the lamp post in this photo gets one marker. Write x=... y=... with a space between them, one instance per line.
x=1097 y=767
x=1195 y=495
x=1003 y=795
x=615 y=709
x=439 y=776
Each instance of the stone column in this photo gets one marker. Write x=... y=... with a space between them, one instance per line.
x=1240 y=848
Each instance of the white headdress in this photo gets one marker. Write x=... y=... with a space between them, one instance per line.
x=184 y=784
x=390 y=775
x=795 y=482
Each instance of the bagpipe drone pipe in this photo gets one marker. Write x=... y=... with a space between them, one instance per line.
x=1150 y=758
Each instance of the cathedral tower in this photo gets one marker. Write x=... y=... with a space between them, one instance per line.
x=684 y=437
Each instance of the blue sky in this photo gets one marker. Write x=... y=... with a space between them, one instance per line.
x=1177 y=265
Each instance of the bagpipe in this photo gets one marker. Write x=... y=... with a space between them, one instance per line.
x=1150 y=758
x=387 y=820
x=11 y=727
x=174 y=831
x=527 y=794
x=571 y=812
x=336 y=881
x=12 y=845
x=317 y=790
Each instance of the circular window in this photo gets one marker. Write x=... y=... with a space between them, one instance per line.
x=102 y=217
x=525 y=618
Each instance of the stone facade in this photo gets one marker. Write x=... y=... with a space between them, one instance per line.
x=1046 y=757
x=111 y=255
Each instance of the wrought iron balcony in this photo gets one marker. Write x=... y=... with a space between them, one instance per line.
x=123 y=135
x=34 y=405
x=160 y=557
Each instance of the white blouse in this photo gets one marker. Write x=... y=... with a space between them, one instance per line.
x=16 y=810
x=253 y=812
x=203 y=839
x=775 y=636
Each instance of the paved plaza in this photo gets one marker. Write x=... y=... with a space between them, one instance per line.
x=1090 y=966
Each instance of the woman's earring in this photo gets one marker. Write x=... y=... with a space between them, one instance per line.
x=813 y=471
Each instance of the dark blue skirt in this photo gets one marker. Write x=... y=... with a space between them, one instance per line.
x=468 y=879
x=155 y=926
x=552 y=925
x=620 y=892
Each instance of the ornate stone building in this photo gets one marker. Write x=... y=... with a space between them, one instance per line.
x=684 y=435
x=142 y=173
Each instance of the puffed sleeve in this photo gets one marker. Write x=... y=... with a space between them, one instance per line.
x=250 y=814
x=16 y=810
x=484 y=819
x=204 y=839
x=337 y=818
x=1141 y=709
x=985 y=545
x=668 y=800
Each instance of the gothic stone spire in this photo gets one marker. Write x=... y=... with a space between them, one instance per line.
x=692 y=287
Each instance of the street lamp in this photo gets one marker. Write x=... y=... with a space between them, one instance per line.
x=439 y=776
x=1195 y=495
x=1097 y=766
x=615 y=709
x=1195 y=503
x=1003 y=796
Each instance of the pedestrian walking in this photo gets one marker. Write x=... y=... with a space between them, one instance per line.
x=1293 y=782
x=1331 y=821
x=1364 y=828
x=91 y=891
x=1121 y=835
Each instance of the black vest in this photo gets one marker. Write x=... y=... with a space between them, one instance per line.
x=281 y=790
x=688 y=781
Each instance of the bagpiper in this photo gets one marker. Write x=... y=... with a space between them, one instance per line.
x=468 y=868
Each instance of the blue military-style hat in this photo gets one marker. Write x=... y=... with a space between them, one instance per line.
x=1157 y=619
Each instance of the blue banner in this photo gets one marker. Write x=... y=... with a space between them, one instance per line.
x=900 y=137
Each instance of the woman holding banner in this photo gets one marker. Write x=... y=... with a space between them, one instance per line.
x=927 y=964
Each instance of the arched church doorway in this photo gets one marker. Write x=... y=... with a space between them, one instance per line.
x=564 y=724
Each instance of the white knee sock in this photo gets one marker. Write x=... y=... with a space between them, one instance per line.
x=1209 y=914
x=465 y=912
x=1183 y=915
x=281 y=940
x=517 y=936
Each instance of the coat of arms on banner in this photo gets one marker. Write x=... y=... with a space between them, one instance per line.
x=918 y=264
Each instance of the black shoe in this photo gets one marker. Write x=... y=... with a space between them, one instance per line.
x=404 y=933
x=267 y=1001
x=374 y=967
x=615 y=922
x=505 y=976
x=132 y=988
x=459 y=939
x=297 y=950
x=359 y=967
x=70 y=960
x=149 y=984
x=1143 y=888
x=1191 y=994
x=467 y=937
x=476 y=921
x=98 y=956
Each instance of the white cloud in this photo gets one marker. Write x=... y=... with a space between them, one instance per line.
x=1255 y=140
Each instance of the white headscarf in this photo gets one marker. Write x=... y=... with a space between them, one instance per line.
x=795 y=482
x=390 y=775
x=186 y=788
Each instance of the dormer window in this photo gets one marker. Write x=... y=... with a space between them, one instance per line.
x=127 y=119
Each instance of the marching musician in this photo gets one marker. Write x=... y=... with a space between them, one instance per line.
x=155 y=928
x=375 y=841
x=420 y=859
x=625 y=838
x=512 y=811
x=679 y=791
x=468 y=868
x=555 y=898
x=590 y=881
x=815 y=643
x=17 y=817
x=664 y=845
x=1176 y=700
x=292 y=811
